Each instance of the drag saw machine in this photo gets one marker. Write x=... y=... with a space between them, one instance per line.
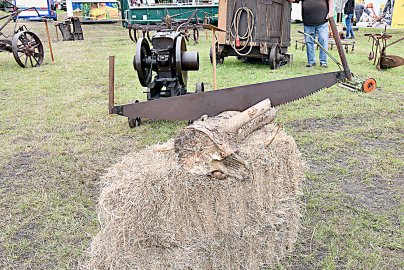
x=170 y=61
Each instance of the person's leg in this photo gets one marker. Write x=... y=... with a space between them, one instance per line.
x=348 y=25
x=311 y=57
x=323 y=40
x=358 y=15
x=351 y=28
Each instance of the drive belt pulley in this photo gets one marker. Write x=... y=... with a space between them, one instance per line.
x=142 y=62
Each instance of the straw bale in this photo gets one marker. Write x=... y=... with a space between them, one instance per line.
x=157 y=213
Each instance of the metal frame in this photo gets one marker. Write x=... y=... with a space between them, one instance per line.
x=192 y=23
x=21 y=41
x=378 y=52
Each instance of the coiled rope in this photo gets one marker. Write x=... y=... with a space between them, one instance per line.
x=248 y=35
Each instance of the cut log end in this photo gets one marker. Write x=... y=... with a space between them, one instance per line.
x=210 y=146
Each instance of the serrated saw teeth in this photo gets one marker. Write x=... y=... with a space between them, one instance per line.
x=212 y=103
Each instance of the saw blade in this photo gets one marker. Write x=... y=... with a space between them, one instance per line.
x=193 y=106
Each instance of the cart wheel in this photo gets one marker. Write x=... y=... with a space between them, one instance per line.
x=369 y=85
x=274 y=57
x=219 y=58
x=133 y=35
x=200 y=87
x=134 y=122
x=27 y=49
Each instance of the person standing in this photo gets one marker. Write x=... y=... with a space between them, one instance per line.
x=349 y=12
x=315 y=14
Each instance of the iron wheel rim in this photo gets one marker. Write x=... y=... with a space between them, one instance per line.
x=144 y=70
x=27 y=49
x=180 y=47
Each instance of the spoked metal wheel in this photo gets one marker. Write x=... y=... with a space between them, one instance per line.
x=27 y=49
x=275 y=57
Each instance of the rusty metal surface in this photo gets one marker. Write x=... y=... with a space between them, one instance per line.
x=193 y=106
x=391 y=61
x=378 y=52
x=27 y=49
x=71 y=29
x=25 y=46
x=340 y=49
x=111 y=84
x=185 y=26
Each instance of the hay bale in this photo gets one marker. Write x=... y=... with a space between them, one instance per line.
x=156 y=212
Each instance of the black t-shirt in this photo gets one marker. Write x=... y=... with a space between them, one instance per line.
x=314 y=12
x=349 y=7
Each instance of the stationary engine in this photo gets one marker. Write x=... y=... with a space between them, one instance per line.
x=170 y=60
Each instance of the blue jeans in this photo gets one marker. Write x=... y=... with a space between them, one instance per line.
x=349 y=30
x=322 y=32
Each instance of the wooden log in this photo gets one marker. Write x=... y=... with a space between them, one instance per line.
x=239 y=120
x=210 y=147
x=255 y=124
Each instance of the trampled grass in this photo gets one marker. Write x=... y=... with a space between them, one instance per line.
x=56 y=139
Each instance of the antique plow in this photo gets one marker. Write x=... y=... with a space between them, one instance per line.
x=186 y=106
x=188 y=27
x=378 y=53
x=25 y=46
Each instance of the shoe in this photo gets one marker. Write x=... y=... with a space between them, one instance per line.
x=311 y=65
x=324 y=65
x=352 y=38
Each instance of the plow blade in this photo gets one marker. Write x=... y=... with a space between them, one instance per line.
x=193 y=106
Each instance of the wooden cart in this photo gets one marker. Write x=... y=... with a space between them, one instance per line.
x=255 y=30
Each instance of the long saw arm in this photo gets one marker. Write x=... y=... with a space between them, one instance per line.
x=193 y=106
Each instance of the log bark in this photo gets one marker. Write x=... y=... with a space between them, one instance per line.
x=209 y=147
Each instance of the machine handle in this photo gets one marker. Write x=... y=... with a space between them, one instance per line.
x=341 y=52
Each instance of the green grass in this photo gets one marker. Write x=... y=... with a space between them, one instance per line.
x=56 y=139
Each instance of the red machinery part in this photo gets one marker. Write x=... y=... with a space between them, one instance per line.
x=238 y=44
x=369 y=85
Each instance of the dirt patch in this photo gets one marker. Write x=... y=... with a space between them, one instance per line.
x=22 y=165
x=334 y=124
x=379 y=196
